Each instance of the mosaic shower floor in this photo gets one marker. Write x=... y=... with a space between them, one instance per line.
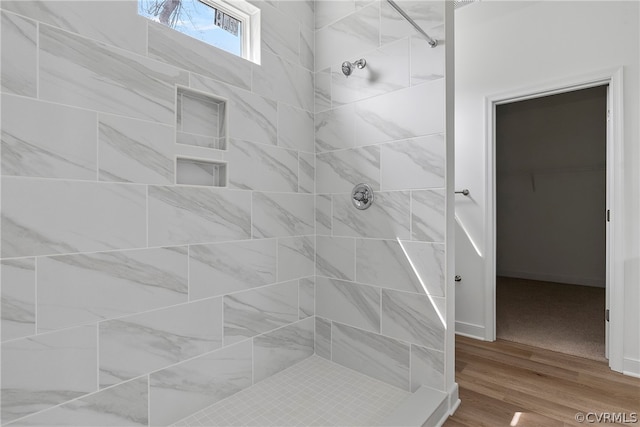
x=314 y=392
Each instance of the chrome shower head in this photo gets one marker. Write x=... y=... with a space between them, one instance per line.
x=347 y=67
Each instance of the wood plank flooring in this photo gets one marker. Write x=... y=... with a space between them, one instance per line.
x=501 y=379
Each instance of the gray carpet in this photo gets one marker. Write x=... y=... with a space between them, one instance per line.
x=559 y=317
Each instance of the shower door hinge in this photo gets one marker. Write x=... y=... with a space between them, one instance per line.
x=606 y=315
x=608 y=215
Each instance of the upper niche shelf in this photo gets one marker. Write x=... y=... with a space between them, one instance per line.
x=201 y=119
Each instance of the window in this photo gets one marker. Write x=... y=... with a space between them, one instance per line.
x=233 y=27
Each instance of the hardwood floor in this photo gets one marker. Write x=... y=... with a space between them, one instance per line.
x=501 y=379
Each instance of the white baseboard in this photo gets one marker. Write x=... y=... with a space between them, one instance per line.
x=470 y=330
x=570 y=280
x=631 y=367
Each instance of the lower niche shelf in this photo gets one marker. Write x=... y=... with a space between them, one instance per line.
x=201 y=172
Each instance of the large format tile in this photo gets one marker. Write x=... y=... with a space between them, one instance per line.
x=322 y=90
x=307 y=46
x=323 y=337
x=296 y=257
x=387 y=218
x=262 y=167
x=348 y=303
x=135 y=345
x=414 y=163
x=427 y=63
x=295 y=128
x=340 y=171
x=280 y=34
x=306 y=172
x=335 y=128
x=323 y=214
x=18 y=298
x=336 y=257
x=186 y=388
x=85 y=288
x=427 y=368
x=303 y=11
x=45 y=370
x=81 y=217
x=427 y=14
x=281 y=214
x=306 y=297
x=428 y=215
x=329 y=11
x=19 y=55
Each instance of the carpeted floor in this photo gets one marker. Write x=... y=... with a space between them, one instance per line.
x=556 y=316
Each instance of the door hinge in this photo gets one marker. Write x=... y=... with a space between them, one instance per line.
x=606 y=315
x=608 y=215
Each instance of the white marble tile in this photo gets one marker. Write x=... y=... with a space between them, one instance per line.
x=428 y=215
x=199 y=114
x=46 y=370
x=18 y=298
x=281 y=348
x=322 y=90
x=186 y=388
x=124 y=405
x=306 y=172
x=282 y=215
x=427 y=368
x=84 y=73
x=329 y=11
x=222 y=268
x=307 y=46
x=296 y=257
x=419 y=319
x=306 y=297
x=139 y=344
x=387 y=218
x=295 y=128
x=40 y=139
x=379 y=357
x=85 y=288
x=18 y=55
x=406 y=266
x=335 y=129
x=262 y=167
x=323 y=337
x=336 y=257
x=203 y=173
x=135 y=151
x=340 y=171
x=323 y=214
x=427 y=63
x=179 y=215
x=81 y=217
x=421 y=160
x=256 y=311
x=348 y=303
x=301 y=10
x=280 y=34
x=427 y=14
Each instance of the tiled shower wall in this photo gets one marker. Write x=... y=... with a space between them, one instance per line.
x=127 y=299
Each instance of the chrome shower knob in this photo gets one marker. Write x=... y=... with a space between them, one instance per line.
x=362 y=196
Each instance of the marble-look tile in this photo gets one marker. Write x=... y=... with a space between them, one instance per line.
x=18 y=298
x=280 y=34
x=323 y=214
x=85 y=73
x=262 y=167
x=335 y=129
x=281 y=348
x=421 y=160
x=302 y=10
x=427 y=63
x=322 y=90
x=427 y=14
x=81 y=217
x=135 y=345
x=379 y=357
x=282 y=215
x=85 y=288
x=340 y=171
x=179 y=215
x=18 y=55
x=222 y=268
x=403 y=114
x=348 y=303
x=427 y=368
x=124 y=405
x=419 y=319
x=256 y=311
x=387 y=218
x=306 y=172
x=336 y=257
x=307 y=46
x=406 y=266
x=296 y=257
x=428 y=215
x=323 y=337
x=40 y=139
x=46 y=370
x=329 y=11
x=356 y=33
x=306 y=297
x=199 y=114
x=204 y=173
x=295 y=128
x=186 y=388
x=134 y=151
x=178 y=49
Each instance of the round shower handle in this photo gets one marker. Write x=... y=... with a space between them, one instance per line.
x=362 y=196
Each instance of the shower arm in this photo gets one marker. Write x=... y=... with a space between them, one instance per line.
x=432 y=42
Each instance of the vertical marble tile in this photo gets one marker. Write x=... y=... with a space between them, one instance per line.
x=107 y=285
x=125 y=405
x=280 y=34
x=186 y=388
x=282 y=215
x=427 y=368
x=18 y=298
x=46 y=370
x=405 y=266
x=339 y=171
x=135 y=345
x=335 y=129
x=307 y=45
x=222 y=268
x=306 y=172
x=306 y=297
x=296 y=257
x=256 y=311
x=322 y=90
x=47 y=140
x=379 y=357
x=295 y=128
x=135 y=151
x=387 y=218
x=427 y=63
x=19 y=55
x=81 y=217
x=336 y=257
x=179 y=215
x=329 y=11
x=421 y=160
x=262 y=167
x=427 y=14
x=323 y=214
x=348 y=303
x=323 y=337
x=428 y=215
x=277 y=350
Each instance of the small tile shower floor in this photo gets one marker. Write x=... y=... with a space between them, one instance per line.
x=314 y=392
